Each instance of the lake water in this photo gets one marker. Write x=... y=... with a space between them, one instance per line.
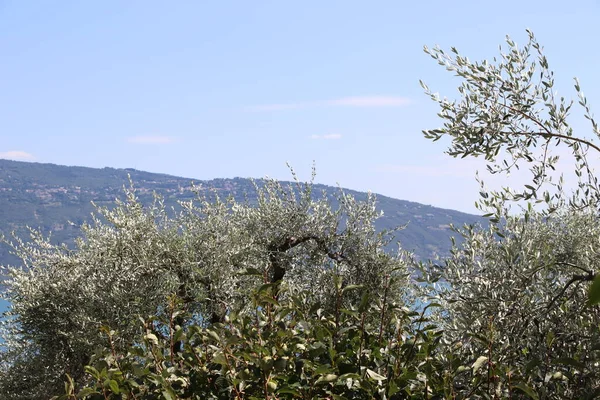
x=3 y=305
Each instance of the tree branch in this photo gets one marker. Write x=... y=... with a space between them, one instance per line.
x=554 y=135
x=291 y=242
x=547 y=132
x=576 y=278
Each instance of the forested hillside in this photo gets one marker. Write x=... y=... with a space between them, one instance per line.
x=59 y=198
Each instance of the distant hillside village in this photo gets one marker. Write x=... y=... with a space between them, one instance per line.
x=58 y=199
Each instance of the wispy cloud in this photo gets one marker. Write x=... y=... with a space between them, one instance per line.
x=151 y=139
x=17 y=155
x=331 y=136
x=351 y=101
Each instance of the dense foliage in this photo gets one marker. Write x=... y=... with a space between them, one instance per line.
x=132 y=258
x=517 y=294
x=521 y=304
x=506 y=324
x=510 y=113
x=281 y=349
x=298 y=296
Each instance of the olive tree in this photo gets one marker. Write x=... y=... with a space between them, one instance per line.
x=513 y=298
x=518 y=305
x=509 y=112
x=208 y=254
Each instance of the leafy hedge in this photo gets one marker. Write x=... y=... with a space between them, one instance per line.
x=293 y=349
x=284 y=349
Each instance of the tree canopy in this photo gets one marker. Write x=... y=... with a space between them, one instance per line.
x=510 y=113
x=298 y=296
x=210 y=255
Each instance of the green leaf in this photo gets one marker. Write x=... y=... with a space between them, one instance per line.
x=323 y=369
x=349 y=375
x=92 y=371
x=570 y=362
x=549 y=338
x=289 y=390
x=393 y=389
x=478 y=363
x=375 y=376
x=352 y=287
x=152 y=338
x=265 y=287
x=219 y=358
x=280 y=364
x=364 y=302
x=594 y=293
x=113 y=385
x=327 y=378
x=213 y=335
x=527 y=390
x=270 y=300
x=179 y=333
x=169 y=394
x=266 y=363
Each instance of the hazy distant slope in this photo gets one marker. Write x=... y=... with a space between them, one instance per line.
x=48 y=196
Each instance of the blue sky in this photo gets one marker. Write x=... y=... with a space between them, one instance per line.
x=239 y=88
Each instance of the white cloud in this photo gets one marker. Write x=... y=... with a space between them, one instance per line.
x=151 y=139
x=352 y=101
x=331 y=136
x=17 y=155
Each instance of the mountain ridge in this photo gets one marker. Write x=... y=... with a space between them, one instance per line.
x=48 y=196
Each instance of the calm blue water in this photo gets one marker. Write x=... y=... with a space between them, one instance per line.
x=3 y=305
